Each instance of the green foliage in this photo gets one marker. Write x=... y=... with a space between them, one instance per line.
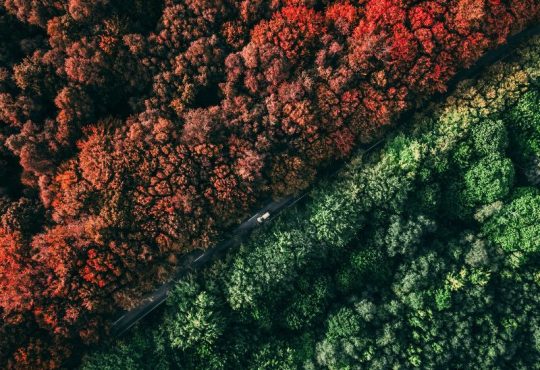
x=524 y=120
x=274 y=355
x=488 y=180
x=489 y=137
x=404 y=235
x=310 y=300
x=334 y=217
x=123 y=357
x=517 y=226
x=272 y=259
x=443 y=299
x=195 y=322
x=141 y=350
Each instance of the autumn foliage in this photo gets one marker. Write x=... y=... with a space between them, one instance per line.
x=132 y=131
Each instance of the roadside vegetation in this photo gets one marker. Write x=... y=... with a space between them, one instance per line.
x=422 y=254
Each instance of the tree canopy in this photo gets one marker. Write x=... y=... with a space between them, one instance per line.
x=423 y=253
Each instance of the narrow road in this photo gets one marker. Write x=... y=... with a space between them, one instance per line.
x=154 y=300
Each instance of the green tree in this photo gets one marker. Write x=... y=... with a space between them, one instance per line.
x=516 y=227
x=488 y=180
x=194 y=322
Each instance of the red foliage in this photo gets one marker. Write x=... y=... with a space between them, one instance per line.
x=146 y=128
x=343 y=17
x=15 y=276
x=294 y=30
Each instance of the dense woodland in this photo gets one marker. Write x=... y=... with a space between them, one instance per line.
x=132 y=131
x=423 y=254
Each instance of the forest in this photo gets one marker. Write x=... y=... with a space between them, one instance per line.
x=422 y=254
x=133 y=132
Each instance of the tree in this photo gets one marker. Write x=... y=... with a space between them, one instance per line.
x=488 y=180
x=515 y=227
x=197 y=324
